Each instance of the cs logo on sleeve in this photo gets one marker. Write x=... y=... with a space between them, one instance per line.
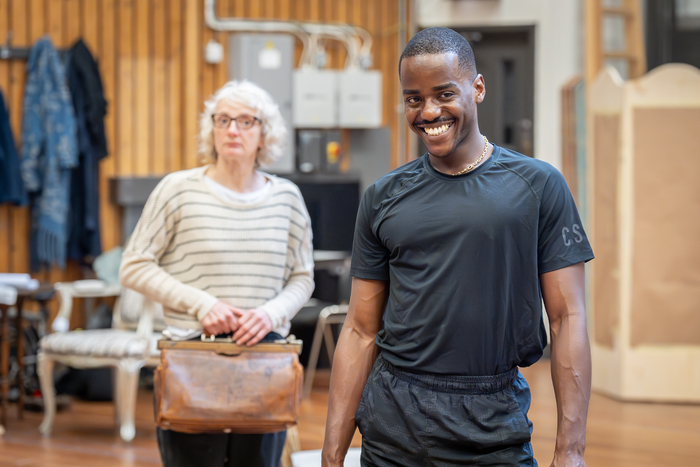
x=572 y=234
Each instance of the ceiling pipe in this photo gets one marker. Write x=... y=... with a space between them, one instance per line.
x=345 y=33
x=352 y=60
x=232 y=24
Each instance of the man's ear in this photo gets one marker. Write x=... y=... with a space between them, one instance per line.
x=479 y=89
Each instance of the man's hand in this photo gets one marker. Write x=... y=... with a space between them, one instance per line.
x=221 y=319
x=573 y=459
x=253 y=326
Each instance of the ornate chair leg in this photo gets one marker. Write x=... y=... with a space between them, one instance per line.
x=45 y=370
x=127 y=386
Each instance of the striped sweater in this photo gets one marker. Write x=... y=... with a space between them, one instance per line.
x=191 y=249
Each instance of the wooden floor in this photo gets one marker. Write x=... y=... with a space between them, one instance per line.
x=619 y=434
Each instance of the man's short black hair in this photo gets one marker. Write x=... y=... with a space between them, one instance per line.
x=439 y=41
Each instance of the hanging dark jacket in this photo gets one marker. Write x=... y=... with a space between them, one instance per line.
x=11 y=186
x=90 y=109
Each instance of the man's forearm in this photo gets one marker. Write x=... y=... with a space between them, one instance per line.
x=352 y=365
x=571 y=374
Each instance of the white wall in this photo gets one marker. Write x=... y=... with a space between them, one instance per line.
x=558 y=50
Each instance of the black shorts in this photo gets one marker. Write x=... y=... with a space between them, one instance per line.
x=408 y=419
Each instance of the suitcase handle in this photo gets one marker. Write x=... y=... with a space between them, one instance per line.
x=291 y=339
x=226 y=346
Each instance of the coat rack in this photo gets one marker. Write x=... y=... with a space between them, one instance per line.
x=7 y=52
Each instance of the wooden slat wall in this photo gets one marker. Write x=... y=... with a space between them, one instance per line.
x=569 y=164
x=150 y=54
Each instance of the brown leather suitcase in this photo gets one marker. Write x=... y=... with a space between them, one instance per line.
x=218 y=386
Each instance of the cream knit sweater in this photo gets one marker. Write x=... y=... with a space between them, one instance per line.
x=191 y=249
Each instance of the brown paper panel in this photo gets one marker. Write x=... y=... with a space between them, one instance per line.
x=606 y=285
x=666 y=249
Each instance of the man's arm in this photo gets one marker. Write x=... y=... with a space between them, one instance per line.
x=354 y=357
x=563 y=292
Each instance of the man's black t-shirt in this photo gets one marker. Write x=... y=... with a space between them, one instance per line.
x=463 y=257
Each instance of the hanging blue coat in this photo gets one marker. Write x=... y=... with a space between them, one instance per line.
x=49 y=152
x=11 y=186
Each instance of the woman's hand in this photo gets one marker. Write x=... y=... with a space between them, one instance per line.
x=253 y=325
x=222 y=319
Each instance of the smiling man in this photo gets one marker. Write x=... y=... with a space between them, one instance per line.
x=453 y=254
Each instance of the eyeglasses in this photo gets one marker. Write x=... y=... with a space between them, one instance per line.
x=243 y=122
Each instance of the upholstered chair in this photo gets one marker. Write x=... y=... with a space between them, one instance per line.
x=128 y=346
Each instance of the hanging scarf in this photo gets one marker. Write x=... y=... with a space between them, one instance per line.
x=48 y=153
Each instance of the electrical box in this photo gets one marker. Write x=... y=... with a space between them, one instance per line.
x=315 y=103
x=360 y=103
x=309 y=150
x=319 y=151
x=267 y=60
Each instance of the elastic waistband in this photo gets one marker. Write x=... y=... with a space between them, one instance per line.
x=455 y=383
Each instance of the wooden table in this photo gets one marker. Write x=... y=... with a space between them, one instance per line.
x=42 y=294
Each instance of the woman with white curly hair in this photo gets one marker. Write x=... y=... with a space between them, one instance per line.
x=226 y=248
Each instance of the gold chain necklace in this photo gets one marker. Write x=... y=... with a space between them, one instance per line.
x=476 y=162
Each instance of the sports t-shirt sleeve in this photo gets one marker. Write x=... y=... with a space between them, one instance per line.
x=370 y=258
x=561 y=238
